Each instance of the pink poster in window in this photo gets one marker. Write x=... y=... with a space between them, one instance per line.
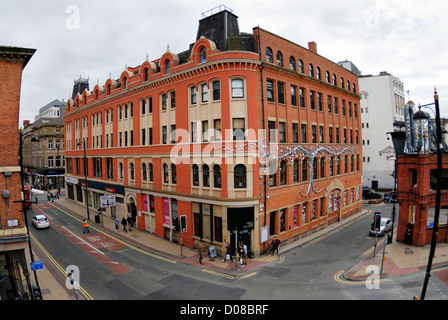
x=145 y=202
x=166 y=211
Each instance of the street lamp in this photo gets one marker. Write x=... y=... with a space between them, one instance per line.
x=85 y=177
x=399 y=142
x=420 y=117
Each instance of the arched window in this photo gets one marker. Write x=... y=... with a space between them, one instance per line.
x=132 y=169
x=327 y=76
x=239 y=176
x=151 y=172
x=268 y=54
x=354 y=88
x=168 y=67
x=318 y=73
x=334 y=79
x=205 y=176
x=202 y=54
x=165 y=173
x=296 y=170
x=195 y=170
x=300 y=65
x=292 y=63
x=173 y=174
x=283 y=172
x=342 y=83
x=279 y=58
x=146 y=74
x=311 y=70
x=216 y=176
x=144 y=172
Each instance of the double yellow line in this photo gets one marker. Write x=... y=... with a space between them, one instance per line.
x=81 y=290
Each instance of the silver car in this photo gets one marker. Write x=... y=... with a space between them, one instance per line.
x=385 y=226
x=40 y=221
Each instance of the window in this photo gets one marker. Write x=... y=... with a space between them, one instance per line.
x=142 y=107
x=195 y=170
x=151 y=172
x=194 y=131
x=327 y=76
x=303 y=129
x=269 y=55
x=239 y=176
x=293 y=96
x=237 y=88
x=312 y=101
x=318 y=76
x=164 y=101
x=164 y=134
x=173 y=133
x=295 y=133
x=280 y=92
x=296 y=170
x=311 y=70
x=271 y=132
x=204 y=93
x=283 y=172
x=132 y=171
x=238 y=128
x=173 y=174
x=205 y=133
x=302 y=97
x=50 y=162
x=270 y=90
x=300 y=65
x=313 y=133
x=193 y=93
x=110 y=168
x=143 y=137
x=165 y=173
x=205 y=176
x=173 y=99
x=281 y=132
x=319 y=101
x=217 y=132
x=144 y=172
x=216 y=90
x=304 y=170
x=216 y=176
x=150 y=105
x=292 y=63
x=203 y=54
x=168 y=67
x=279 y=59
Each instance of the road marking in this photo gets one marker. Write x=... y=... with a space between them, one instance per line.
x=83 y=241
x=119 y=240
x=224 y=275
x=59 y=267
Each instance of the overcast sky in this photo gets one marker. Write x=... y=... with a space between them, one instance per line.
x=99 y=38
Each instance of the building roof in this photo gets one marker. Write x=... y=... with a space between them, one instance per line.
x=59 y=121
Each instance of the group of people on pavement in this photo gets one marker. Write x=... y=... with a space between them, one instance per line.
x=124 y=222
x=242 y=254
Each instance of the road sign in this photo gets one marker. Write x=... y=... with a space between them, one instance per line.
x=108 y=201
x=36 y=265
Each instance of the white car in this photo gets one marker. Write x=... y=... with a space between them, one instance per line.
x=385 y=226
x=40 y=221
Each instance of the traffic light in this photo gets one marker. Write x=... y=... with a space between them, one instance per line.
x=183 y=223
x=36 y=292
x=377 y=221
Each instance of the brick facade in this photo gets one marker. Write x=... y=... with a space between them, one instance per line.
x=217 y=181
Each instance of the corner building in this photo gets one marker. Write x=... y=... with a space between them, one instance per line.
x=185 y=138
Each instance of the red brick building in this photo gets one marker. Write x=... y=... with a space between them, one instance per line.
x=416 y=194
x=183 y=137
x=13 y=232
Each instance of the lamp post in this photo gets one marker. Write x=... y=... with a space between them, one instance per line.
x=421 y=117
x=399 y=141
x=85 y=177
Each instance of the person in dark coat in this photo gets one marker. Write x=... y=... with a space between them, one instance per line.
x=124 y=223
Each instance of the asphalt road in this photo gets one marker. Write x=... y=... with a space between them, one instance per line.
x=116 y=271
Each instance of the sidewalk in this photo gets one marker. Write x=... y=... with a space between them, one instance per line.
x=400 y=258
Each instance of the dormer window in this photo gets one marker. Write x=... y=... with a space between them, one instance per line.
x=202 y=54
x=168 y=67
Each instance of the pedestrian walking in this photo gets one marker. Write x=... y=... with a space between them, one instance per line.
x=117 y=224
x=228 y=252
x=86 y=227
x=275 y=245
x=201 y=251
x=129 y=223
x=241 y=257
x=124 y=223
x=245 y=253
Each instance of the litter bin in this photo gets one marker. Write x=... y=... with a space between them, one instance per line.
x=97 y=218
x=408 y=237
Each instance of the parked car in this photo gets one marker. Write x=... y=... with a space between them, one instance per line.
x=385 y=226
x=40 y=221
x=368 y=194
